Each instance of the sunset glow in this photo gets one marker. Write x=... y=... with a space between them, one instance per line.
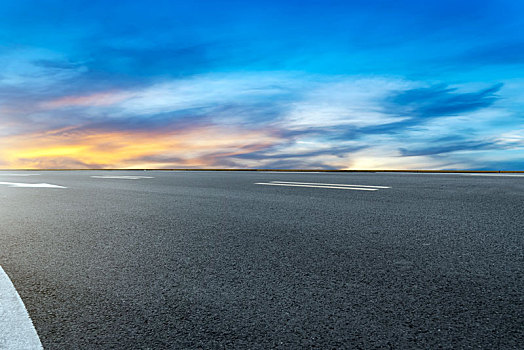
x=191 y=148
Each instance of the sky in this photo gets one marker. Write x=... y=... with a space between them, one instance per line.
x=309 y=84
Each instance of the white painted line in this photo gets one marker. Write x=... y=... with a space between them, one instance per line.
x=302 y=185
x=19 y=174
x=41 y=185
x=323 y=184
x=17 y=331
x=121 y=177
x=291 y=172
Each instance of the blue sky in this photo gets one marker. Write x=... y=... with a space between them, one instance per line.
x=262 y=84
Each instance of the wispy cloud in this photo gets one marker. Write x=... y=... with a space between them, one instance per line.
x=446 y=148
x=440 y=101
x=107 y=98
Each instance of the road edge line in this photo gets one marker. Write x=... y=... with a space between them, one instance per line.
x=17 y=330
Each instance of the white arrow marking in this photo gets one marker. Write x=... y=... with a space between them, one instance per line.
x=121 y=177
x=41 y=185
x=17 y=331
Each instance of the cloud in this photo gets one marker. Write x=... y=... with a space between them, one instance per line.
x=130 y=149
x=107 y=98
x=447 y=148
x=440 y=101
x=503 y=165
x=276 y=153
x=256 y=119
x=353 y=102
x=293 y=163
x=420 y=105
x=57 y=64
x=57 y=162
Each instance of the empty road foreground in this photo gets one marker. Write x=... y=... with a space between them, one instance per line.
x=260 y=260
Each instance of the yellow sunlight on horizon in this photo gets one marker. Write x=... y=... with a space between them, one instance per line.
x=70 y=149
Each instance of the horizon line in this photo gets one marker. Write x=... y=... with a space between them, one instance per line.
x=282 y=170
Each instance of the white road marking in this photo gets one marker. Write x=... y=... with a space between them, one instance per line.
x=121 y=177
x=41 y=185
x=291 y=172
x=303 y=185
x=17 y=331
x=19 y=174
x=323 y=184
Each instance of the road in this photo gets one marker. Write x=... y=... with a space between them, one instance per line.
x=257 y=260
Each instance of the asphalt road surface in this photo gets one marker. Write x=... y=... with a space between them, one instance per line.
x=252 y=260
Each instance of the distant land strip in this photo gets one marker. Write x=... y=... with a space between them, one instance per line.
x=294 y=170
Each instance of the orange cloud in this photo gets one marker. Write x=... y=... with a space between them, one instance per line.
x=201 y=146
